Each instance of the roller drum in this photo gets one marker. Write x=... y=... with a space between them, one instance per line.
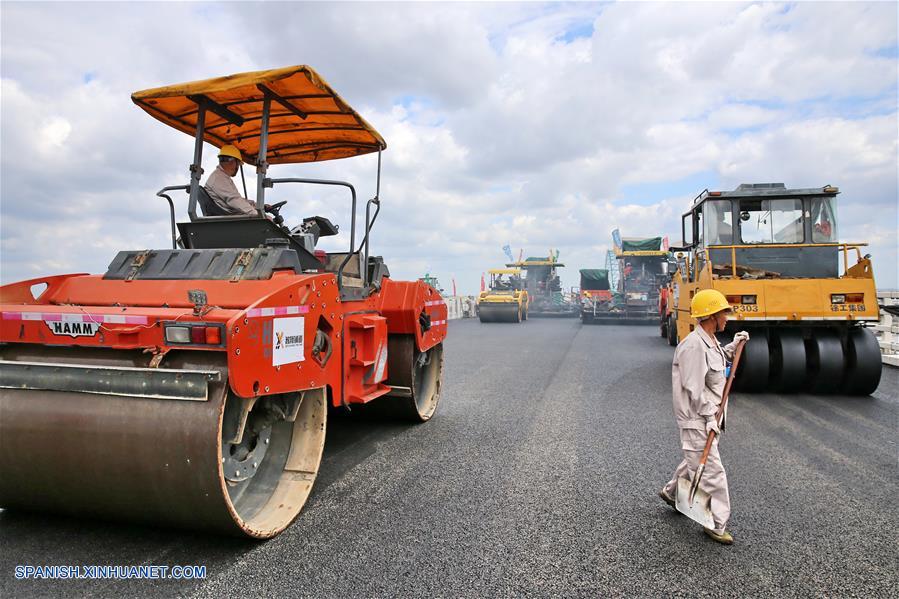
x=156 y=461
x=415 y=377
x=499 y=312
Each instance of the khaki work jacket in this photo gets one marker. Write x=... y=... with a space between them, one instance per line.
x=224 y=193
x=697 y=378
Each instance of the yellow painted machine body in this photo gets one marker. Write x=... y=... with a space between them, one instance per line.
x=804 y=297
x=505 y=300
x=784 y=300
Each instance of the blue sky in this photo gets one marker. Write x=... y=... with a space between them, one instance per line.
x=538 y=125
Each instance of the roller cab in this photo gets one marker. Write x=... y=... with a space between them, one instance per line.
x=805 y=298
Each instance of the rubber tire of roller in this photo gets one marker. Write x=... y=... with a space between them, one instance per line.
x=827 y=364
x=864 y=365
x=755 y=365
x=789 y=367
x=672 y=332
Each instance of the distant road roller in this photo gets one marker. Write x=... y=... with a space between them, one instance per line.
x=804 y=297
x=189 y=386
x=506 y=299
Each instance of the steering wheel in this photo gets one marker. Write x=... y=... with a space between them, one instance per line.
x=275 y=210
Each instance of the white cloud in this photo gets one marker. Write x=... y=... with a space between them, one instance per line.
x=506 y=123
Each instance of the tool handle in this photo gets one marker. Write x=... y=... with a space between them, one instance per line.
x=730 y=381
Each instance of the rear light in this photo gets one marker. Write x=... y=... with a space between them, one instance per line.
x=195 y=334
x=715 y=193
x=748 y=299
x=837 y=298
x=855 y=298
x=733 y=299
x=213 y=335
x=177 y=334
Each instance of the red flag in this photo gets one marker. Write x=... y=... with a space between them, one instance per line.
x=665 y=243
x=483 y=283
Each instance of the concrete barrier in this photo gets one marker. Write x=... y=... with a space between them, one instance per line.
x=460 y=306
x=887 y=330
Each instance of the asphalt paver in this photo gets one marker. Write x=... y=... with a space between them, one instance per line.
x=538 y=477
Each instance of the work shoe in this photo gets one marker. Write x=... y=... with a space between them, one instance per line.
x=725 y=538
x=667 y=498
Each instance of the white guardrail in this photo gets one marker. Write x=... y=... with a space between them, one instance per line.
x=460 y=306
x=887 y=330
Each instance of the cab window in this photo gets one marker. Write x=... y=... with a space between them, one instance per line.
x=719 y=228
x=771 y=221
x=824 y=221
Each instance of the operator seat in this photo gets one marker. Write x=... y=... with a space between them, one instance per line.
x=207 y=205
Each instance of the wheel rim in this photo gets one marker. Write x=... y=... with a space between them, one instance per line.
x=426 y=379
x=268 y=485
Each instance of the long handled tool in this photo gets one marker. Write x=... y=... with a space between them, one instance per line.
x=691 y=501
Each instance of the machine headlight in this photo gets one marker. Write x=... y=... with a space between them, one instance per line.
x=747 y=299
x=837 y=298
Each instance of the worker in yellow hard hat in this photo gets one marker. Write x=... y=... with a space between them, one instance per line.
x=697 y=379
x=221 y=188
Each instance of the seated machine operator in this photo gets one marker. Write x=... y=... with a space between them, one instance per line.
x=222 y=189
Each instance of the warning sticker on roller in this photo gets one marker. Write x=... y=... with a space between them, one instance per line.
x=287 y=340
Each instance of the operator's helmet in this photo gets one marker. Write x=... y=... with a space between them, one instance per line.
x=231 y=152
x=708 y=302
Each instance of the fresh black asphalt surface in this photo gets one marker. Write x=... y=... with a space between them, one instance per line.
x=538 y=476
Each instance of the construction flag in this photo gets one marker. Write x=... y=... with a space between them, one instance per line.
x=665 y=243
x=454 y=286
x=483 y=283
x=508 y=251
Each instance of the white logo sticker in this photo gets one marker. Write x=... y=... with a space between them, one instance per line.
x=73 y=329
x=287 y=340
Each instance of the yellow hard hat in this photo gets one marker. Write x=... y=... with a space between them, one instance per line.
x=231 y=151
x=708 y=302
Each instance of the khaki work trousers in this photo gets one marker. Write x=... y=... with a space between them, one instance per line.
x=714 y=479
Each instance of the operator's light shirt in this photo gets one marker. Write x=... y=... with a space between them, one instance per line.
x=224 y=193
x=697 y=378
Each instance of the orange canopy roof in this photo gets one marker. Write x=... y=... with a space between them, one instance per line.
x=309 y=122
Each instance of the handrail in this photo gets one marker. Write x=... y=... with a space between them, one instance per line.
x=271 y=183
x=845 y=246
x=785 y=245
x=161 y=194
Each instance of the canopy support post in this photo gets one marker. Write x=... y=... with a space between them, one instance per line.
x=196 y=168
x=370 y=222
x=261 y=162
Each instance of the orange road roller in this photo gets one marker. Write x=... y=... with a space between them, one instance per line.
x=190 y=386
